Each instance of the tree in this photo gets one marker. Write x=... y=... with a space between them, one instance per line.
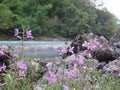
x=64 y=18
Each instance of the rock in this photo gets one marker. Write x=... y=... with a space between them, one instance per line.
x=5 y=59
x=117 y=50
x=115 y=42
x=104 y=56
x=105 y=53
x=115 y=38
x=112 y=66
x=49 y=65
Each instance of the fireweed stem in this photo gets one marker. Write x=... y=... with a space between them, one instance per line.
x=116 y=82
x=22 y=41
x=83 y=81
x=32 y=80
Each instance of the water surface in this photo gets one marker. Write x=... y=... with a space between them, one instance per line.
x=43 y=49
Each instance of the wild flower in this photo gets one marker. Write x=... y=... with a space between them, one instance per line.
x=72 y=73
x=108 y=69
x=29 y=34
x=114 y=68
x=3 y=67
x=85 y=67
x=66 y=87
x=93 y=45
x=70 y=59
x=80 y=60
x=2 y=53
x=21 y=73
x=86 y=44
x=16 y=32
x=14 y=55
x=35 y=65
x=96 y=42
x=118 y=74
x=63 y=50
x=22 y=65
x=51 y=78
x=71 y=49
x=75 y=67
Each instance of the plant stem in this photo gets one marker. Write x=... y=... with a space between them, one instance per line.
x=22 y=42
x=83 y=81
x=116 y=82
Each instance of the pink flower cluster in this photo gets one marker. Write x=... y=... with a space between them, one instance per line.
x=28 y=34
x=51 y=78
x=63 y=73
x=70 y=74
x=2 y=53
x=2 y=68
x=93 y=45
x=66 y=87
x=73 y=65
x=22 y=67
x=14 y=56
x=80 y=60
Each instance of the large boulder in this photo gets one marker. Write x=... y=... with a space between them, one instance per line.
x=115 y=39
x=5 y=59
x=115 y=42
x=105 y=53
x=112 y=66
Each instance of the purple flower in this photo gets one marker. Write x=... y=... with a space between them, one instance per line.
x=71 y=59
x=2 y=53
x=75 y=67
x=3 y=67
x=114 y=68
x=85 y=44
x=16 y=32
x=64 y=50
x=96 y=42
x=72 y=73
x=14 y=56
x=66 y=87
x=108 y=69
x=21 y=73
x=80 y=60
x=29 y=34
x=71 y=49
x=93 y=45
x=118 y=74
x=22 y=65
x=52 y=78
x=84 y=67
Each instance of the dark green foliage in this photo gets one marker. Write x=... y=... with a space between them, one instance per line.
x=56 y=17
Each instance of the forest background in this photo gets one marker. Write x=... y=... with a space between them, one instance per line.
x=56 y=18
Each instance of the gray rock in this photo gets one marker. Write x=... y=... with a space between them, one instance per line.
x=112 y=66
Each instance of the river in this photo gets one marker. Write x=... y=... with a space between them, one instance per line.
x=42 y=49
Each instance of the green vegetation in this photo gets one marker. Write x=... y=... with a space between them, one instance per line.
x=75 y=72
x=51 y=18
